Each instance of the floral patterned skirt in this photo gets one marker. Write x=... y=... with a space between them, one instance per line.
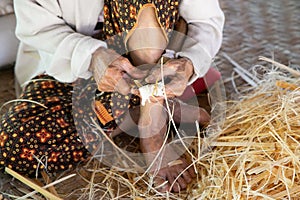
x=52 y=126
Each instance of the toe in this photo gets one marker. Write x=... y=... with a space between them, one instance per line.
x=192 y=172
x=181 y=182
x=174 y=186
x=161 y=184
x=187 y=177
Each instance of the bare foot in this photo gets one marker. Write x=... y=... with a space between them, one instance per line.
x=168 y=165
x=170 y=171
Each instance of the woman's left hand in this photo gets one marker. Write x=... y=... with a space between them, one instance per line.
x=178 y=70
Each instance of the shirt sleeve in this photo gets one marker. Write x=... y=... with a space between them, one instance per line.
x=205 y=21
x=68 y=53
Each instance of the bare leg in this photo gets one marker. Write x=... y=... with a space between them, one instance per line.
x=185 y=113
x=147 y=42
x=152 y=128
x=152 y=117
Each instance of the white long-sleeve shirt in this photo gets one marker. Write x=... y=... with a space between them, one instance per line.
x=56 y=37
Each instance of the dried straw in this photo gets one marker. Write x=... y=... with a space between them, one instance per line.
x=31 y=184
x=254 y=156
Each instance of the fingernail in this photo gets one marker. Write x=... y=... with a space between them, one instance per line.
x=149 y=79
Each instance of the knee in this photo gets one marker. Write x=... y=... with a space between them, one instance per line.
x=145 y=56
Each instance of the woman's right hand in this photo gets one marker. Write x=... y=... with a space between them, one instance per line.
x=113 y=72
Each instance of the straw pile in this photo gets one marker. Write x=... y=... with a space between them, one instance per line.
x=257 y=154
x=254 y=156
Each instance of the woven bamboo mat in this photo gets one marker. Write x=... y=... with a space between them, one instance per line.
x=259 y=28
x=253 y=28
x=7 y=90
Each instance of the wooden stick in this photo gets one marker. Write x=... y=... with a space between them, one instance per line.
x=281 y=66
x=31 y=184
x=49 y=185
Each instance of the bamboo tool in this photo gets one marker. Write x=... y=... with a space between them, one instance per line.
x=30 y=194
x=31 y=184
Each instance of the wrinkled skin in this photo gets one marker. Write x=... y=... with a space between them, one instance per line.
x=178 y=70
x=113 y=72
x=152 y=128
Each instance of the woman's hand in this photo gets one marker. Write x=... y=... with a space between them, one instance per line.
x=178 y=70
x=113 y=72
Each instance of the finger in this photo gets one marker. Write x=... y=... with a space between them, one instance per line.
x=161 y=184
x=105 y=88
x=129 y=80
x=180 y=65
x=187 y=177
x=107 y=84
x=175 y=87
x=137 y=73
x=155 y=74
x=107 y=76
x=181 y=182
x=124 y=64
x=105 y=56
x=122 y=87
x=171 y=179
x=192 y=172
x=176 y=185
